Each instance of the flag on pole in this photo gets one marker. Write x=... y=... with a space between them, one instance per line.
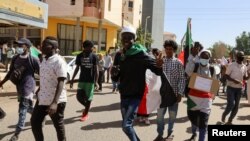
x=188 y=42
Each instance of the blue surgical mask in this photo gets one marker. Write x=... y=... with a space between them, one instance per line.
x=19 y=50
x=204 y=62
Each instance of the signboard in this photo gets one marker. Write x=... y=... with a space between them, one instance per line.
x=204 y=84
x=27 y=12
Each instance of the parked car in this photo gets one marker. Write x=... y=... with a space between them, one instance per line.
x=70 y=60
x=71 y=66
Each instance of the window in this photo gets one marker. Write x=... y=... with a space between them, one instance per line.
x=66 y=38
x=109 y=5
x=73 y=2
x=92 y=35
x=130 y=6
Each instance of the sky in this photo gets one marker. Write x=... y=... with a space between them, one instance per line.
x=212 y=20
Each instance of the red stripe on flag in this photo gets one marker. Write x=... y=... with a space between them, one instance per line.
x=181 y=57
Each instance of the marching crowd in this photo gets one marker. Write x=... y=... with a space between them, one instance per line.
x=146 y=80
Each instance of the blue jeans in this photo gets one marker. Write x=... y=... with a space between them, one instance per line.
x=172 y=110
x=202 y=132
x=128 y=110
x=25 y=105
x=233 y=100
x=115 y=85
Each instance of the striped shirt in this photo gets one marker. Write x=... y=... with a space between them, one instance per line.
x=174 y=70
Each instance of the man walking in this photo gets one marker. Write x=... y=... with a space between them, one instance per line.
x=88 y=62
x=27 y=65
x=52 y=95
x=107 y=65
x=174 y=71
x=235 y=74
x=133 y=65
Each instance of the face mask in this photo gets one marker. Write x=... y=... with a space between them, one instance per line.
x=204 y=62
x=19 y=50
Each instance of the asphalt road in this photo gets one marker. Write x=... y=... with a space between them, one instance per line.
x=105 y=118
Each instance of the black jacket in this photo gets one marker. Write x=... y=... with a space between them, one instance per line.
x=132 y=74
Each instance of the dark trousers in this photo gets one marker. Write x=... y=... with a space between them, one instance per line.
x=100 y=79
x=233 y=101
x=39 y=113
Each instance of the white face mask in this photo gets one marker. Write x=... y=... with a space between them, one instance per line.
x=19 y=50
x=204 y=62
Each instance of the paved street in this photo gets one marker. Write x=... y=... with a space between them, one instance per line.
x=105 y=118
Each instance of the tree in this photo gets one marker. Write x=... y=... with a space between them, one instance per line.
x=220 y=49
x=140 y=37
x=243 y=42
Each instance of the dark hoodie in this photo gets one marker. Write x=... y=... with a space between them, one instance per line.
x=133 y=66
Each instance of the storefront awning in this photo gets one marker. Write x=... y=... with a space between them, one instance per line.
x=26 y=12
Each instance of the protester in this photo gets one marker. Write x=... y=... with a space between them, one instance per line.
x=199 y=102
x=27 y=65
x=236 y=72
x=101 y=71
x=107 y=65
x=88 y=62
x=115 y=70
x=133 y=65
x=174 y=71
x=51 y=98
x=10 y=55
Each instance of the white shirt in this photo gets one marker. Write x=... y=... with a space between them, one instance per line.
x=191 y=63
x=50 y=70
x=236 y=71
x=107 y=61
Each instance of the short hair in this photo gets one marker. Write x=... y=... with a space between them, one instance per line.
x=155 y=50
x=171 y=43
x=87 y=43
x=199 y=45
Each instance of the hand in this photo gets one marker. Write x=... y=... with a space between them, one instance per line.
x=52 y=108
x=179 y=97
x=159 y=60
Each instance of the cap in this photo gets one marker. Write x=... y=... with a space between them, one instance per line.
x=24 y=41
x=205 y=50
x=129 y=29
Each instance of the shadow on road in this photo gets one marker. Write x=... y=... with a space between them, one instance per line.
x=111 y=107
x=99 y=125
x=10 y=133
x=5 y=94
x=244 y=117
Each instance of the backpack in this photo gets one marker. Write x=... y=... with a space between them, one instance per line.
x=17 y=74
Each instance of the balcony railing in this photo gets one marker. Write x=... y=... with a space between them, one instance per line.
x=91 y=10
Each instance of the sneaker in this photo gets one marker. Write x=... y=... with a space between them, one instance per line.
x=14 y=138
x=158 y=138
x=147 y=122
x=84 y=118
x=193 y=137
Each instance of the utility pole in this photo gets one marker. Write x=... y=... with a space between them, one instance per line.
x=145 y=31
x=77 y=28
x=99 y=27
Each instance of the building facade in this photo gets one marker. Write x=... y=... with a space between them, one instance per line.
x=155 y=11
x=24 y=18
